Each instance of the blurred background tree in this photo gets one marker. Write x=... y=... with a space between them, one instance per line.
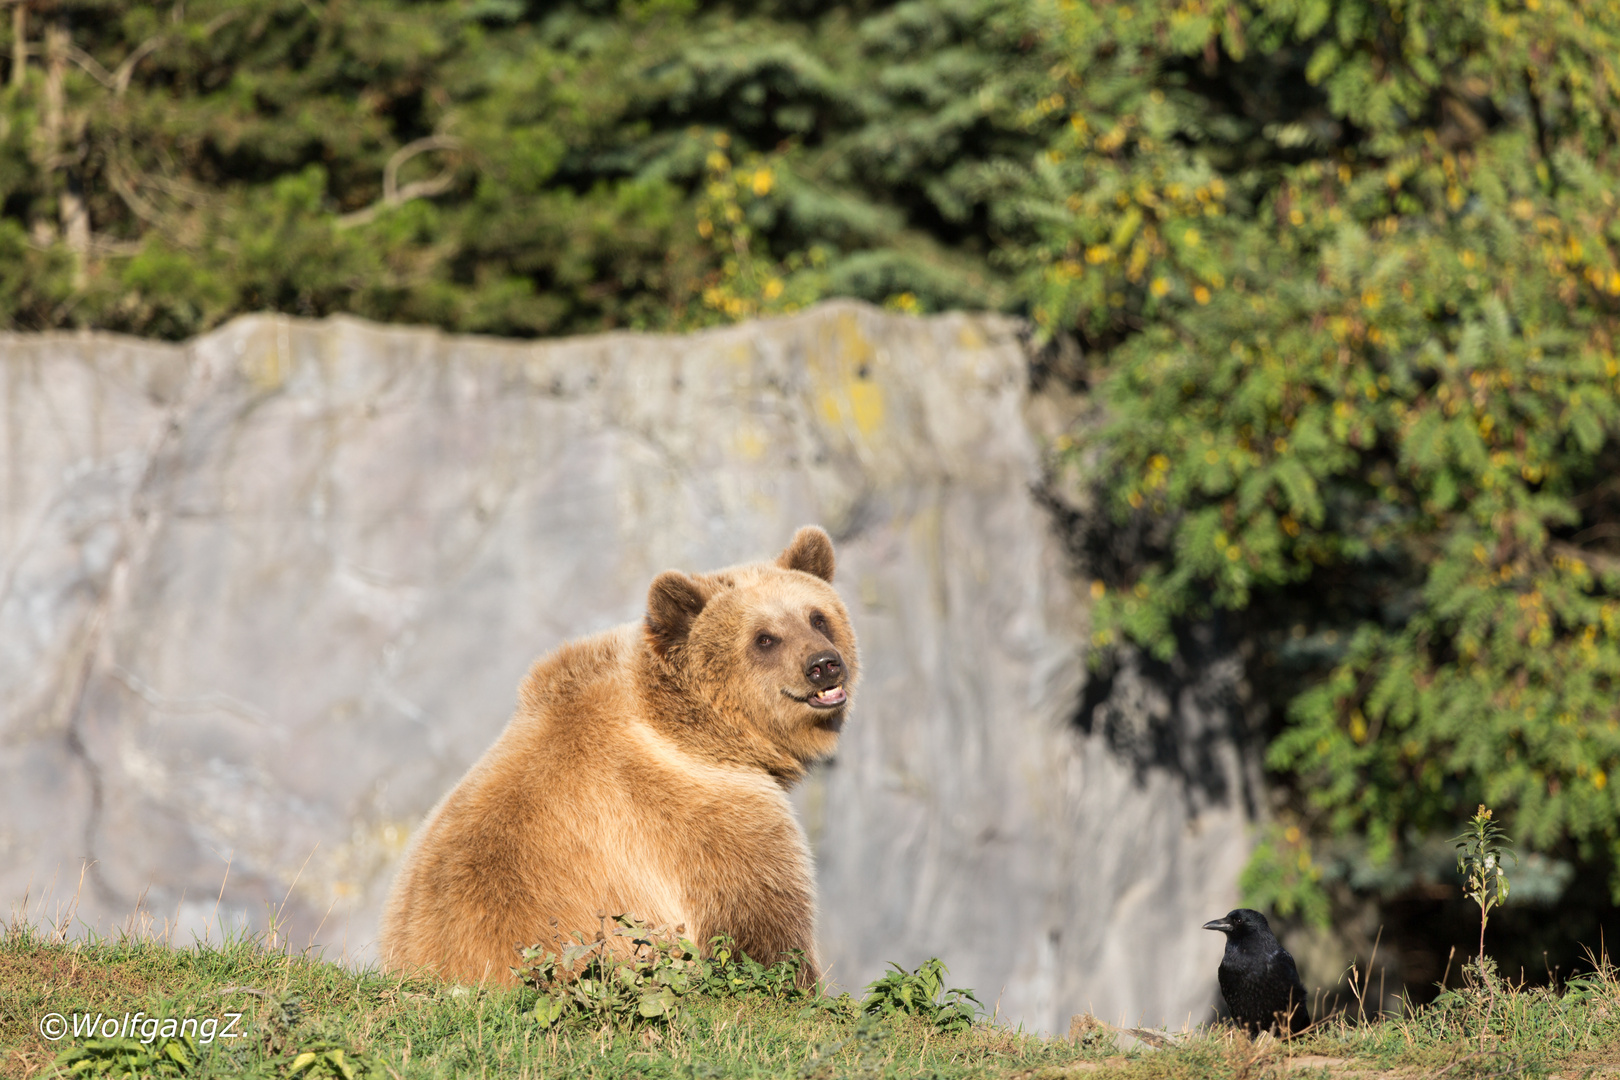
x=501 y=167
x=1345 y=278
x=1350 y=278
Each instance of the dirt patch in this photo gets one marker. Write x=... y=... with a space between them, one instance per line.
x=1073 y=1068
x=55 y=971
x=56 y=978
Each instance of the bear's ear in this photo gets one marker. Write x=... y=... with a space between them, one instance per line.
x=811 y=551
x=672 y=603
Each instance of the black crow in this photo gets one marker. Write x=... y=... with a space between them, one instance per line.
x=1258 y=978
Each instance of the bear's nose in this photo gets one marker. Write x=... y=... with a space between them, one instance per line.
x=824 y=669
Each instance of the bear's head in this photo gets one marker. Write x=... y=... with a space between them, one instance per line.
x=767 y=645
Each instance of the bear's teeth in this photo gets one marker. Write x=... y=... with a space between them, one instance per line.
x=831 y=696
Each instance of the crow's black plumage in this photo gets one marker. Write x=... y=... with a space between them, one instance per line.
x=1258 y=978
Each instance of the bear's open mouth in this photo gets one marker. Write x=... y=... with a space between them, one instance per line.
x=829 y=698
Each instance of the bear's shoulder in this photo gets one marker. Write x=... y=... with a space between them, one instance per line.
x=582 y=673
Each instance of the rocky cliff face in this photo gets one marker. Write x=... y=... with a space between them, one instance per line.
x=264 y=596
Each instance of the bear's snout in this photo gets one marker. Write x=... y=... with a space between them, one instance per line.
x=824 y=669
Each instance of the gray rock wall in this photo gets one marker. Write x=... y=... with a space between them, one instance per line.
x=264 y=596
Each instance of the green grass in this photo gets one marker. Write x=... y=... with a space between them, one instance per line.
x=304 y=1017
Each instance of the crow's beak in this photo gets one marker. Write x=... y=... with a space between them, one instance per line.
x=1218 y=924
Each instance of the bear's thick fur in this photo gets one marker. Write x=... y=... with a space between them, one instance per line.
x=645 y=772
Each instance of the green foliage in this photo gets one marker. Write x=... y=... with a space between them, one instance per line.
x=645 y=976
x=1508 y=1019
x=1352 y=290
x=502 y=167
x=307 y=1017
x=1479 y=863
x=129 y=1057
x=922 y=993
x=1281 y=876
x=631 y=976
x=725 y=972
x=334 y=1061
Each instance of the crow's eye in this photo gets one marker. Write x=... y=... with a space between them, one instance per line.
x=764 y=641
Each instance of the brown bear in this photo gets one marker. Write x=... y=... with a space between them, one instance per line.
x=645 y=772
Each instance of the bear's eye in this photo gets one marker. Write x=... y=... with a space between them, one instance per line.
x=764 y=641
x=819 y=622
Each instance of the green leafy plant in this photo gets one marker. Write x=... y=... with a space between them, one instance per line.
x=631 y=975
x=642 y=977
x=1479 y=861
x=337 y=1062
x=727 y=972
x=591 y=979
x=922 y=993
x=1599 y=985
x=130 y=1057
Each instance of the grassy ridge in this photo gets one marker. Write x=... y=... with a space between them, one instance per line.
x=304 y=1017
